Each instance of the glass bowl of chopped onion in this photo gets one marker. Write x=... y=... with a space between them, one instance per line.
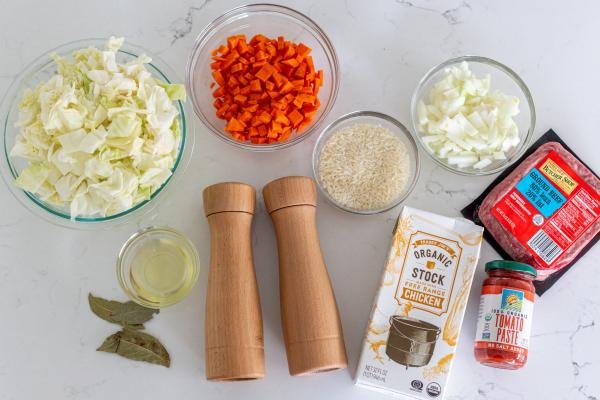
x=473 y=115
x=366 y=162
x=94 y=132
x=221 y=89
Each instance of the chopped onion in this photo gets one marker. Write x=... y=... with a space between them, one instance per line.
x=465 y=123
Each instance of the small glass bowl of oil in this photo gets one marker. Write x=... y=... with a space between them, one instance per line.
x=157 y=267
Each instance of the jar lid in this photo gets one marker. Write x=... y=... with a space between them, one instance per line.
x=511 y=266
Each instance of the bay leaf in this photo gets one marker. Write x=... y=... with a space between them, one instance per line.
x=110 y=344
x=129 y=314
x=132 y=314
x=103 y=308
x=136 y=346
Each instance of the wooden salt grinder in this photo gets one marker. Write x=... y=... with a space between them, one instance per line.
x=233 y=327
x=311 y=324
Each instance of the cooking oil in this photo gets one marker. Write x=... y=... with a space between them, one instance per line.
x=163 y=268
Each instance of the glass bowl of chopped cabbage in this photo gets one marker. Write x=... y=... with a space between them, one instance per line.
x=278 y=122
x=473 y=115
x=93 y=133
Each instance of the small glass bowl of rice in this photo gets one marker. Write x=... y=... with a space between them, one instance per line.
x=366 y=162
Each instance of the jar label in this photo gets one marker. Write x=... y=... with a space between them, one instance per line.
x=548 y=209
x=504 y=321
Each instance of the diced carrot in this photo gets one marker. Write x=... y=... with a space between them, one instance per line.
x=223 y=50
x=255 y=86
x=238 y=136
x=317 y=86
x=258 y=39
x=265 y=117
x=300 y=71
x=240 y=99
x=233 y=125
x=271 y=111
x=218 y=77
x=245 y=117
x=232 y=82
x=281 y=118
x=276 y=127
x=236 y=67
x=251 y=109
x=302 y=50
x=244 y=82
x=292 y=62
x=258 y=65
x=219 y=92
x=265 y=72
x=261 y=56
x=295 y=117
x=287 y=87
x=278 y=78
x=262 y=130
x=289 y=52
x=303 y=98
x=287 y=131
x=232 y=41
x=272 y=50
x=311 y=66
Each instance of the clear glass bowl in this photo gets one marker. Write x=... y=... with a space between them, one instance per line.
x=142 y=241
x=372 y=118
x=271 y=21
x=42 y=69
x=503 y=79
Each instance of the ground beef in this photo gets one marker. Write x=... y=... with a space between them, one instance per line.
x=507 y=241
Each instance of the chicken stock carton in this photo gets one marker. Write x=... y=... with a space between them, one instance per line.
x=416 y=318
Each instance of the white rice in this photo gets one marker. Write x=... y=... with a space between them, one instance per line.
x=364 y=167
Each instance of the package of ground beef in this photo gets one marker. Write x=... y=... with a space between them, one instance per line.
x=543 y=211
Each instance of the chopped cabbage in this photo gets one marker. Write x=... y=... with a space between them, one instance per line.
x=100 y=136
x=466 y=123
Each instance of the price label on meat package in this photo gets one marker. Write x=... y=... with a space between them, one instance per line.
x=548 y=209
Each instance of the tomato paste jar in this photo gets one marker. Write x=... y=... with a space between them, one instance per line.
x=505 y=314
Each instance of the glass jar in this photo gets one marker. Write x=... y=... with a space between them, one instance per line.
x=505 y=314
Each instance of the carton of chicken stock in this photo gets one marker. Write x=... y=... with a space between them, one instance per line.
x=415 y=322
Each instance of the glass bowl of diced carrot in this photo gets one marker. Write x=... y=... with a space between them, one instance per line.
x=263 y=77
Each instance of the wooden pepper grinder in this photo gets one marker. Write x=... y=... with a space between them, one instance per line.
x=233 y=327
x=311 y=324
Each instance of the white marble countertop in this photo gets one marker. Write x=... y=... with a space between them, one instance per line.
x=48 y=336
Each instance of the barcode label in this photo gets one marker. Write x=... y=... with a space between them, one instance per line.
x=544 y=246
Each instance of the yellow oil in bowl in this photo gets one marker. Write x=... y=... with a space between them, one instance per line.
x=157 y=267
